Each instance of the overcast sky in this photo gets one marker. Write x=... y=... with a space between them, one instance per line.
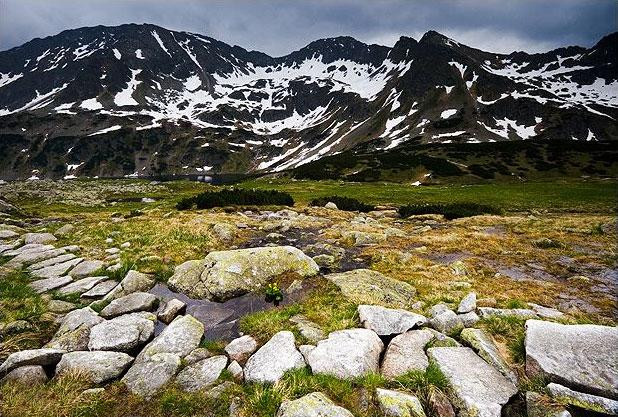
x=278 y=27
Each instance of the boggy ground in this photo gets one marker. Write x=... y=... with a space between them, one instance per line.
x=555 y=246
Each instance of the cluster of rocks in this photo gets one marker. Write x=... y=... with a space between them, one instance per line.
x=114 y=337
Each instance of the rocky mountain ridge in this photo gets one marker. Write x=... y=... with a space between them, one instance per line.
x=141 y=100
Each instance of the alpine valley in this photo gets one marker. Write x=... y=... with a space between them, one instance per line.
x=141 y=100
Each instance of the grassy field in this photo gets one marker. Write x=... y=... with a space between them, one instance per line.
x=572 y=196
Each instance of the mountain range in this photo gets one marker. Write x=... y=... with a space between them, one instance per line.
x=142 y=100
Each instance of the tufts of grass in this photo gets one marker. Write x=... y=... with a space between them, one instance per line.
x=236 y=197
x=449 y=210
x=18 y=301
x=509 y=330
x=216 y=347
x=324 y=304
x=62 y=398
x=546 y=243
x=343 y=203
x=516 y=303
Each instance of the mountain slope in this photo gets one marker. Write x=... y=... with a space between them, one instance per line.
x=144 y=100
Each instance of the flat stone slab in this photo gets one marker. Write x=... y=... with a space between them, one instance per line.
x=41 y=357
x=137 y=301
x=485 y=347
x=580 y=356
x=521 y=313
x=99 y=367
x=347 y=354
x=202 y=374
x=8 y=234
x=123 y=333
x=30 y=247
x=52 y=261
x=56 y=270
x=405 y=353
x=272 y=360
x=387 y=321
x=33 y=257
x=364 y=286
x=39 y=238
x=582 y=400
x=315 y=404
x=86 y=268
x=101 y=289
x=81 y=285
x=48 y=284
x=477 y=388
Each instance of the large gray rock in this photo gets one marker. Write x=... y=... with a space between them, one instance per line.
x=447 y=322
x=150 y=373
x=315 y=404
x=582 y=356
x=202 y=374
x=467 y=304
x=86 y=268
x=399 y=404
x=48 y=284
x=546 y=312
x=364 y=286
x=476 y=388
x=170 y=310
x=388 y=321
x=81 y=286
x=29 y=375
x=134 y=281
x=123 y=333
x=8 y=234
x=137 y=301
x=241 y=348
x=40 y=238
x=41 y=357
x=581 y=400
x=99 y=367
x=347 y=354
x=485 y=347
x=159 y=361
x=469 y=319
x=180 y=337
x=272 y=360
x=57 y=269
x=405 y=353
x=228 y=274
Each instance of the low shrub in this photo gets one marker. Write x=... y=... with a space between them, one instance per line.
x=343 y=203
x=236 y=197
x=449 y=210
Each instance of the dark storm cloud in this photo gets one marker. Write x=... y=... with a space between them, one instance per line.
x=280 y=26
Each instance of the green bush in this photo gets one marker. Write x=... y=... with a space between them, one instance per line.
x=450 y=210
x=236 y=197
x=343 y=203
